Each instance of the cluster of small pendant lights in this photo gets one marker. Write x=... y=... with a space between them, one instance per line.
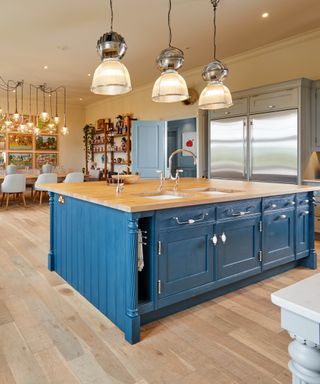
x=112 y=77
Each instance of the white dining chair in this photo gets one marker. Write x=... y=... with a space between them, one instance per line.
x=13 y=185
x=47 y=168
x=11 y=169
x=44 y=178
x=74 y=177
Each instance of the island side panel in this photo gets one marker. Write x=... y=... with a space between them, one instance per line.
x=91 y=252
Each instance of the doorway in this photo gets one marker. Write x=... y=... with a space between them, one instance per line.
x=182 y=134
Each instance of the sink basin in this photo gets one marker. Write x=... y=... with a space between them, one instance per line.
x=164 y=195
x=213 y=191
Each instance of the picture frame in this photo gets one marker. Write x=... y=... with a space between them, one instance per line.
x=46 y=158
x=20 y=142
x=46 y=143
x=21 y=160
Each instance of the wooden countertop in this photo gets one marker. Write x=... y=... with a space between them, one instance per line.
x=132 y=198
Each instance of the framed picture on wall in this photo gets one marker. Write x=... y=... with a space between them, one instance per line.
x=46 y=143
x=20 y=142
x=46 y=158
x=2 y=141
x=21 y=160
x=189 y=142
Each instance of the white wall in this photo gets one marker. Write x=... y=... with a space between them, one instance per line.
x=71 y=146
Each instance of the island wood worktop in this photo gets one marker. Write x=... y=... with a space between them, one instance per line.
x=132 y=200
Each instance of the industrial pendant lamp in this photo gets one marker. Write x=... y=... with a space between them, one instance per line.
x=215 y=95
x=111 y=77
x=170 y=87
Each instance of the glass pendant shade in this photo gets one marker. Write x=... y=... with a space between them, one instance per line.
x=16 y=116
x=170 y=87
x=36 y=130
x=64 y=131
x=56 y=119
x=111 y=78
x=215 y=96
x=44 y=116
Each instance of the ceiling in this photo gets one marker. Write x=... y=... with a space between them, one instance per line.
x=62 y=35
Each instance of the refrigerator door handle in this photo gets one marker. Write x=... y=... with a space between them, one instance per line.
x=250 y=148
x=245 y=171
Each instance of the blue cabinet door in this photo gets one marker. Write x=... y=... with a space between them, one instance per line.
x=239 y=242
x=185 y=260
x=148 y=147
x=302 y=232
x=278 y=238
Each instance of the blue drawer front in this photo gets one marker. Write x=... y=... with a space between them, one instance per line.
x=238 y=209
x=304 y=198
x=279 y=202
x=184 y=217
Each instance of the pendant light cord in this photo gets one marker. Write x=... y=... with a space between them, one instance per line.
x=169 y=24
x=111 y=18
x=215 y=5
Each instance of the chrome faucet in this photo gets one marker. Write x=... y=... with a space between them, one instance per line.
x=120 y=186
x=170 y=161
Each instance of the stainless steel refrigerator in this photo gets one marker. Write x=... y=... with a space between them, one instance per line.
x=263 y=147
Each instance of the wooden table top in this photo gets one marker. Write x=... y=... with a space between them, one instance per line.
x=34 y=176
x=133 y=197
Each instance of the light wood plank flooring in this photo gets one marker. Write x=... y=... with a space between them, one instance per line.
x=50 y=334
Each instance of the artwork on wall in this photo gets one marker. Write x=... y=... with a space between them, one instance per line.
x=46 y=158
x=189 y=142
x=2 y=159
x=21 y=160
x=46 y=143
x=2 y=141
x=18 y=142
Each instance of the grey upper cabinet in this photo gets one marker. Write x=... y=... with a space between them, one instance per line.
x=275 y=101
x=239 y=108
x=316 y=116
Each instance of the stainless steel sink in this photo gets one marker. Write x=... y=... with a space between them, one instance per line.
x=164 y=195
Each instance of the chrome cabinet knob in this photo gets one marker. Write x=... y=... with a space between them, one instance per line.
x=223 y=238
x=292 y=203
x=273 y=206
x=306 y=201
x=283 y=216
x=305 y=213
x=214 y=239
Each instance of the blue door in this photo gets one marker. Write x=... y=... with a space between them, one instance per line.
x=148 y=148
x=239 y=242
x=185 y=261
x=278 y=239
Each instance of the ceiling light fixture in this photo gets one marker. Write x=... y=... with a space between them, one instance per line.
x=111 y=77
x=215 y=95
x=170 y=87
x=265 y=15
x=34 y=123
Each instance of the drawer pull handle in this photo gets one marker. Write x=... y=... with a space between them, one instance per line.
x=223 y=238
x=291 y=203
x=273 y=206
x=282 y=217
x=306 y=201
x=214 y=239
x=305 y=213
x=190 y=221
x=61 y=199
x=227 y=113
x=241 y=213
x=271 y=106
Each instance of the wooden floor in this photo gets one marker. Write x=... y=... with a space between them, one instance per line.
x=50 y=334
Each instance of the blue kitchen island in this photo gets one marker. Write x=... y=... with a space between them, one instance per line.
x=207 y=239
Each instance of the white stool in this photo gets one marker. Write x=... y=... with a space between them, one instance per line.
x=74 y=177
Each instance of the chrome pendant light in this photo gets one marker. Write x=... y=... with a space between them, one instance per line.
x=111 y=77
x=170 y=87
x=215 y=95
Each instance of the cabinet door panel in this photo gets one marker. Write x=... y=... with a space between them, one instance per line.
x=274 y=101
x=302 y=233
x=186 y=259
x=239 y=253
x=278 y=238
